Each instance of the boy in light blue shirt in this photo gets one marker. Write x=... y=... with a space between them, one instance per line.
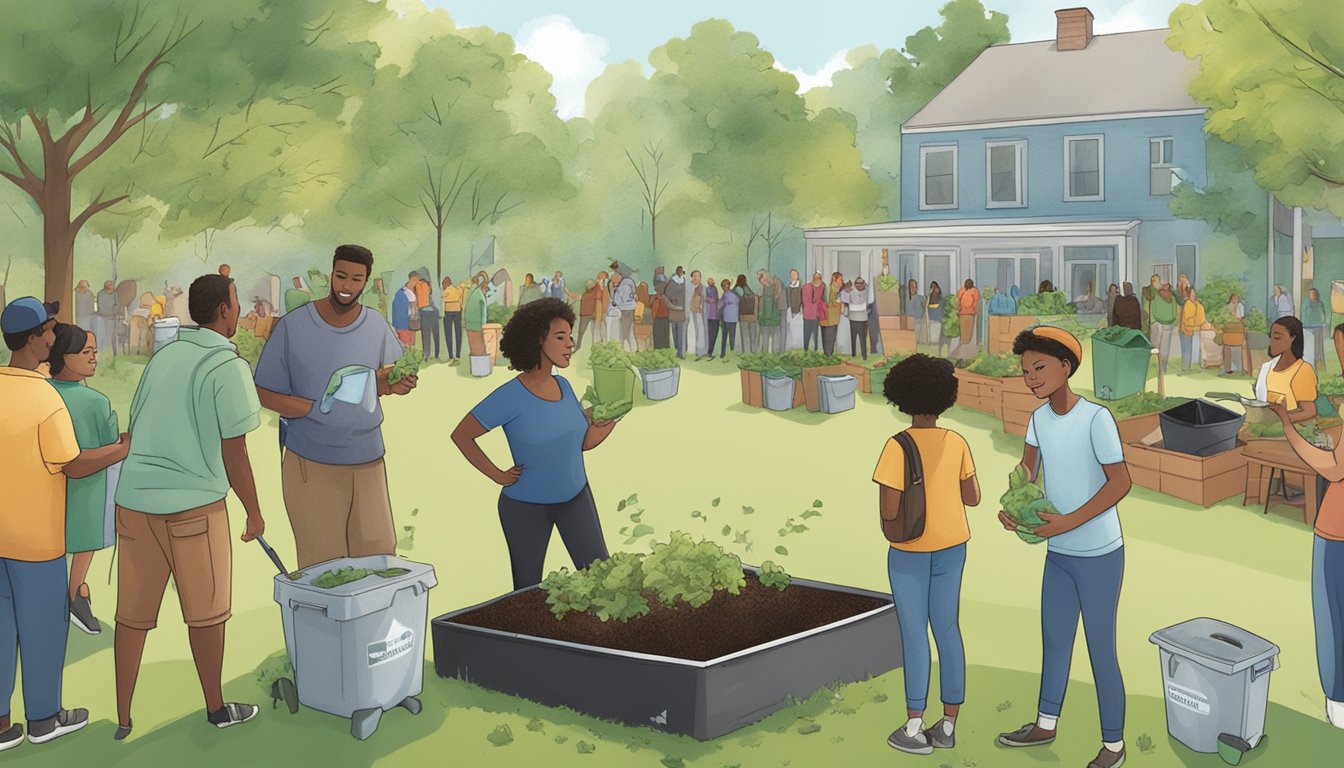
x=1079 y=448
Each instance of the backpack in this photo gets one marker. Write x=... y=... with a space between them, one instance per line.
x=748 y=304
x=909 y=522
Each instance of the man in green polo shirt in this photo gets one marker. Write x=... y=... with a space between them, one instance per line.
x=189 y=424
x=1164 y=311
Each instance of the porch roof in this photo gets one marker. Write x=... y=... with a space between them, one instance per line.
x=962 y=228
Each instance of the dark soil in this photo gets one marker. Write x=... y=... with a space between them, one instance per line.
x=726 y=624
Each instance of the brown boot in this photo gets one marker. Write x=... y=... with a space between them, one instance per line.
x=1029 y=735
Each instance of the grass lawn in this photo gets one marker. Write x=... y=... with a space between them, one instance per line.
x=1227 y=562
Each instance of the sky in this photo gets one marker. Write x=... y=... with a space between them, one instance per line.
x=576 y=39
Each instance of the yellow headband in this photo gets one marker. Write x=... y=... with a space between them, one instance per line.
x=1062 y=336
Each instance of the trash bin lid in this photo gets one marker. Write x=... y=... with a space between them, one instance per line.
x=1126 y=338
x=1215 y=644
x=357 y=598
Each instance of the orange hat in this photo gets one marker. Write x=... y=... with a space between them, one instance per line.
x=1062 y=336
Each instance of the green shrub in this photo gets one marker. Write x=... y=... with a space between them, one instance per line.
x=498 y=313
x=1049 y=303
x=1214 y=296
x=1256 y=321
x=1330 y=385
x=888 y=282
x=951 y=323
x=610 y=354
x=1142 y=404
x=653 y=359
x=249 y=346
x=1001 y=366
x=774 y=576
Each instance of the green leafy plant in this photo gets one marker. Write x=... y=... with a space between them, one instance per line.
x=501 y=736
x=951 y=323
x=1001 y=366
x=1049 y=303
x=341 y=576
x=1024 y=502
x=535 y=725
x=1330 y=385
x=585 y=748
x=653 y=359
x=407 y=365
x=773 y=575
x=1214 y=296
x=1111 y=334
x=1145 y=743
x=610 y=354
x=682 y=569
x=1311 y=430
x=1142 y=404
x=888 y=282
x=273 y=668
x=1256 y=321
x=249 y=345
x=498 y=313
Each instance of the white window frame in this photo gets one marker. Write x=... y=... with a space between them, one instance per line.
x=1021 y=154
x=1101 y=168
x=924 y=151
x=1166 y=165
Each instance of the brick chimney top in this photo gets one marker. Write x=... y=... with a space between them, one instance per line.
x=1073 y=29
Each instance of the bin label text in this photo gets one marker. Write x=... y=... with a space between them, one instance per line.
x=1190 y=699
x=399 y=642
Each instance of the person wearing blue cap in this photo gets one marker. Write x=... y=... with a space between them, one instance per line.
x=38 y=452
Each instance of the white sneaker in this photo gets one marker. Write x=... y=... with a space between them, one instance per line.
x=1334 y=713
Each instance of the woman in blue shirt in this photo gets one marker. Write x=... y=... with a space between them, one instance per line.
x=548 y=431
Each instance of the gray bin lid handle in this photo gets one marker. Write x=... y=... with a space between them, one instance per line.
x=1219 y=636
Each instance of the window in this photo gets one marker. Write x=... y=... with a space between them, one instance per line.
x=1161 y=171
x=849 y=264
x=1004 y=271
x=1003 y=174
x=1088 y=270
x=938 y=175
x=1084 y=168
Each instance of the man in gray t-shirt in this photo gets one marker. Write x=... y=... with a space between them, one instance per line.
x=333 y=477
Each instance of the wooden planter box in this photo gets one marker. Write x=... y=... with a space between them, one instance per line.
x=983 y=393
x=752 y=389
x=701 y=699
x=901 y=340
x=889 y=302
x=1003 y=329
x=894 y=323
x=1202 y=480
x=812 y=390
x=1137 y=428
x=798 y=398
x=863 y=374
x=492 y=332
x=1018 y=405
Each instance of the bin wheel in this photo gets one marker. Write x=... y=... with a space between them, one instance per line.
x=284 y=690
x=411 y=704
x=364 y=722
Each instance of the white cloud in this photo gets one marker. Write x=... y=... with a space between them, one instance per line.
x=808 y=81
x=1133 y=16
x=573 y=57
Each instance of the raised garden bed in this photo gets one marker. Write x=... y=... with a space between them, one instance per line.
x=702 y=672
x=1003 y=329
x=861 y=372
x=1202 y=480
x=980 y=393
x=1018 y=404
x=752 y=392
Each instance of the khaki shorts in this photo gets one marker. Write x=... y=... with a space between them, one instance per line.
x=193 y=547
x=337 y=510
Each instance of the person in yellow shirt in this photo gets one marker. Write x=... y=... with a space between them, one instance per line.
x=1286 y=379
x=1192 y=321
x=39 y=451
x=453 y=296
x=926 y=571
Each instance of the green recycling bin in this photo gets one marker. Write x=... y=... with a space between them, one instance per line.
x=1119 y=362
x=614 y=384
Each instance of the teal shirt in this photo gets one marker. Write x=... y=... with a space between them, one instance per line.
x=95 y=426
x=194 y=394
x=1313 y=314
x=475 y=318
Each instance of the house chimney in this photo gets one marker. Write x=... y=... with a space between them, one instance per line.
x=1073 y=29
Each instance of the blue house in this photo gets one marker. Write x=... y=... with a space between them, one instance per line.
x=1049 y=160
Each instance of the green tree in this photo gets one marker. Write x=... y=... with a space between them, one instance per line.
x=881 y=90
x=1230 y=202
x=77 y=78
x=1272 y=76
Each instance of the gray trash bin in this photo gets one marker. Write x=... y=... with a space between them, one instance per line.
x=1216 y=681
x=778 y=393
x=358 y=649
x=660 y=383
x=165 y=331
x=837 y=393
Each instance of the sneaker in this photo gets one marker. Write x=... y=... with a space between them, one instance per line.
x=918 y=744
x=1334 y=713
x=59 y=724
x=123 y=731
x=1108 y=759
x=232 y=714
x=1029 y=735
x=11 y=738
x=941 y=735
x=81 y=614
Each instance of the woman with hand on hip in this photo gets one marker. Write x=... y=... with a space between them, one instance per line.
x=548 y=431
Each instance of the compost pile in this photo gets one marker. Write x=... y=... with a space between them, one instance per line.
x=342 y=576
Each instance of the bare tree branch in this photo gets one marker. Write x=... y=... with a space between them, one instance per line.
x=94 y=208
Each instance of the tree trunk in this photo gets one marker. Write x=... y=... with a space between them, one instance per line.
x=438 y=257
x=653 y=230
x=58 y=243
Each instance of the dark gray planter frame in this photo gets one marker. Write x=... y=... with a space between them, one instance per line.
x=702 y=699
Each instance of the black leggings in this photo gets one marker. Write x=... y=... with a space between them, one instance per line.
x=713 y=335
x=858 y=338
x=729 y=338
x=527 y=529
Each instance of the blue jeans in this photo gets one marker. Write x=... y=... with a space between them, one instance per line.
x=679 y=338
x=34 y=615
x=926 y=588
x=452 y=331
x=1327 y=606
x=1090 y=586
x=811 y=333
x=1190 y=353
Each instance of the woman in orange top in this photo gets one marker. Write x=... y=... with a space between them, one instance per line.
x=968 y=304
x=1327 y=565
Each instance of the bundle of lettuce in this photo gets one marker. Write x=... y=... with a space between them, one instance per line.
x=606 y=411
x=1024 y=502
x=407 y=365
